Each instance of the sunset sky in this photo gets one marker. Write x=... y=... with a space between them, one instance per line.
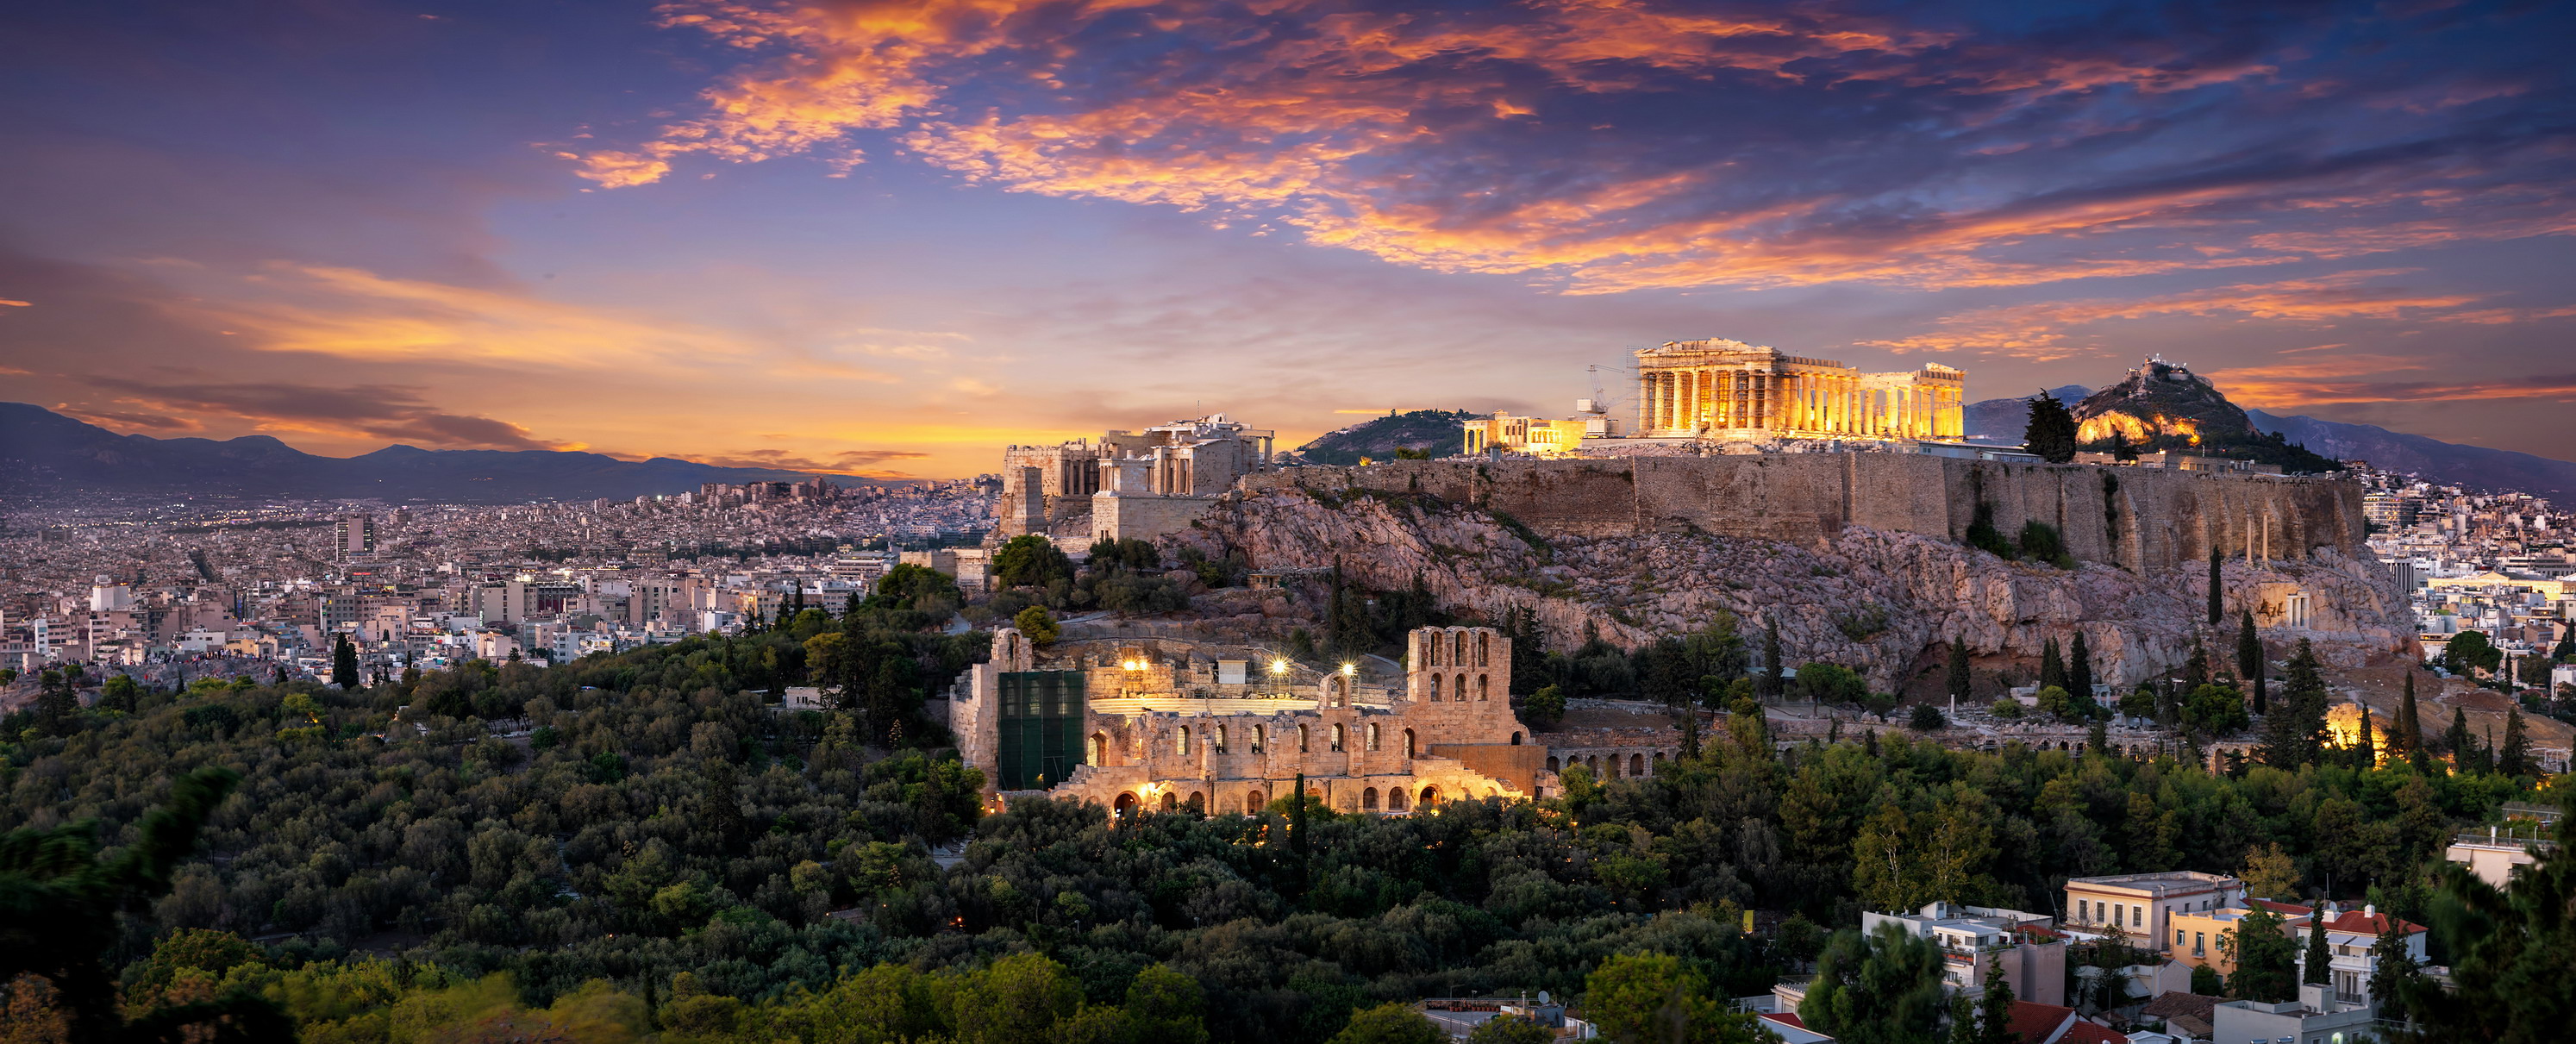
x=890 y=238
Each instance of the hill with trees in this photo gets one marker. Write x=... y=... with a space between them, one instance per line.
x=1436 y=433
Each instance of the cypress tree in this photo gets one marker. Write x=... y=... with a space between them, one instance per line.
x=2079 y=671
x=2303 y=698
x=1960 y=682
x=1994 y=1015
x=2406 y=734
x=1297 y=840
x=2514 y=758
x=1768 y=682
x=2195 y=671
x=2366 y=753
x=2217 y=590
x=2456 y=740
x=2052 y=666
x=2249 y=659
x=344 y=664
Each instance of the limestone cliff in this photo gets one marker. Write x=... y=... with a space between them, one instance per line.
x=1870 y=598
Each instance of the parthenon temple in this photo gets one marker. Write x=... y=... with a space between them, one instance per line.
x=1730 y=389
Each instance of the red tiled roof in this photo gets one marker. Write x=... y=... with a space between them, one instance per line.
x=2092 y=1033
x=2361 y=923
x=1784 y=1018
x=2035 y=1023
x=2284 y=909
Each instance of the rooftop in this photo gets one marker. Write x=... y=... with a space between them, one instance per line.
x=2169 y=882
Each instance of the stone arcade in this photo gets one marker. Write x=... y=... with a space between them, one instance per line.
x=1131 y=731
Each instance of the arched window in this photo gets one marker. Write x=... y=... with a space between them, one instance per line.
x=1395 y=800
x=1198 y=802
x=1337 y=736
x=1368 y=800
x=1636 y=764
x=1093 y=747
x=1458 y=649
x=1481 y=650
x=1551 y=763
x=1435 y=688
x=1461 y=689
x=1260 y=737
x=1593 y=762
x=1372 y=736
x=1430 y=796
x=1126 y=804
x=1431 y=651
x=1516 y=739
x=1408 y=743
x=1220 y=739
x=1181 y=741
x=1169 y=801
x=1252 y=803
x=1480 y=688
x=1301 y=739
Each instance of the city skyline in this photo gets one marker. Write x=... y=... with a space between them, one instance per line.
x=889 y=240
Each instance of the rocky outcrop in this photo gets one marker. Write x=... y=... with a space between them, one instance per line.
x=1875 y=600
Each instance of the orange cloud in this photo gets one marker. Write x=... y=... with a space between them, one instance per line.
x=1436 y=137
x=363 y=316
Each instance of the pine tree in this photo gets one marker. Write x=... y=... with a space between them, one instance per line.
x=2249 y=659
x=2195 y=671
x=2052 y=666
x=2051 y=432
x=2514 y=757
x=1960 y=682
x=2079 y=670
x=2217 y=589
x=2317 y=970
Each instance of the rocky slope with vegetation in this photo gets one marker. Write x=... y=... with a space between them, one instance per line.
x=1874 y=601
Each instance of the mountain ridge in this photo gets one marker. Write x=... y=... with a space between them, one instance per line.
x=2446 y=463
x=42 y=451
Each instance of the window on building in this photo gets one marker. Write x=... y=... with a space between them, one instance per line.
x=2137 y=916
x=1372 y=736
x=1181 y=742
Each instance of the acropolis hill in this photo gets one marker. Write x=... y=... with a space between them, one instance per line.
x=1855 y=558
x=2136 y=518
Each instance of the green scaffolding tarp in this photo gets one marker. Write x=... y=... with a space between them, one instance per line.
x=1041 y=728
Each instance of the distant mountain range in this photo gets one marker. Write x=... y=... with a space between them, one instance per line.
x=2451 y=464
x=42 y=451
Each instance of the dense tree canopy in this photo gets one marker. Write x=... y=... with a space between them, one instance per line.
x=642 y=839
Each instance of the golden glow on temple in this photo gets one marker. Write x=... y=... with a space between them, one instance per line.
x=1730 y=389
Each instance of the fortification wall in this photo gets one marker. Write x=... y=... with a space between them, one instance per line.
x=2142 y=518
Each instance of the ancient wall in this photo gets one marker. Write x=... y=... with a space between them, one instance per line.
x=2141 y=518
x=1143 y=517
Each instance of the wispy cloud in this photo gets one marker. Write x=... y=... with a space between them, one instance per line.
x=2047 y=331
x=1608 y=145
x=383 y=411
